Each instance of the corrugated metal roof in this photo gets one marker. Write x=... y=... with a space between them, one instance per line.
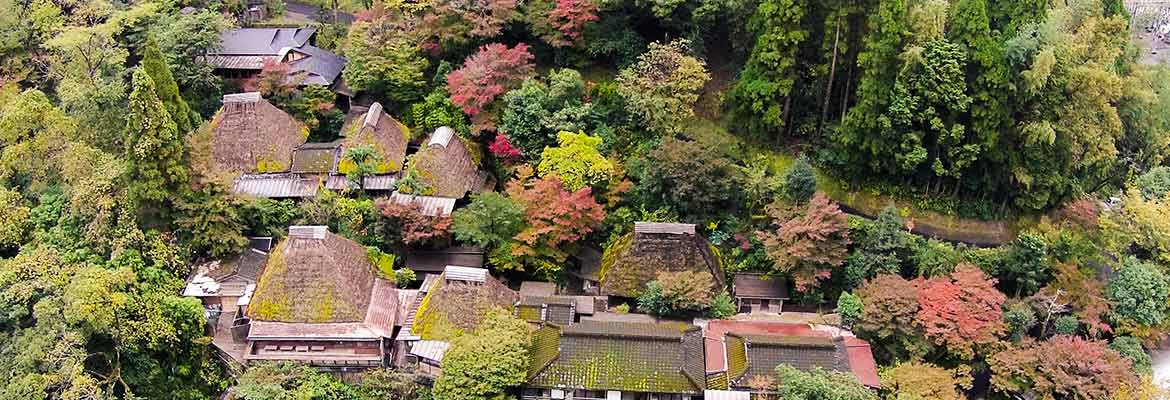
x=276 y=186
x=238 y=62
x=431 y=206
x=433 y=350
x=726 y=395
x=308 y=231
x=466 y=274
x=375 y=182
x=442 y=136
x=664 y=228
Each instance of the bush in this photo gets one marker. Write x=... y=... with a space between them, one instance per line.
x=1155 y=183
x=1019 y=318
x=404 y=277
x=722 y=306
x=800 y=181
x=1066 y=325
x=849 y=308
x=1131 y=348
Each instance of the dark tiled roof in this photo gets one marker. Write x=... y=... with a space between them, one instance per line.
x=751 y=355
x=631 y=357
x=276 y=185
x=534 y=288
x=321 y=67
x=635 y=259
x=758 y=287
x=262 y=41
x=436 y=261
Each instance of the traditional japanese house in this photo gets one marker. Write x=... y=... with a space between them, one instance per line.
x=445 y=167
x=738 y=351
x=756 y=293
x=634 y=260
x=616 y=361
x=242 y=53
x=320 y=302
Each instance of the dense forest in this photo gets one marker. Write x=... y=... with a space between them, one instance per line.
x=590 y=115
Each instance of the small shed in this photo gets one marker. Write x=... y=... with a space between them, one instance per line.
x=757 y=293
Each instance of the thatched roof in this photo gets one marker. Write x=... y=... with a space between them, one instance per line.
x=446 y=166
x=314 y=276
x=252 y=135
x=376 y=127
x=452 y=307
x=636 y=259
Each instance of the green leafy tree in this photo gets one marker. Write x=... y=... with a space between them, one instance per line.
x=661 y=88
x=576 y=161
x=208 y=219
x=14 y=218
x=166 y=88
x=490 y=221
x=365 y=161
x=819 y=384
x=1140 y=293
x=1131 y=348
x=1155 y=183
x=800 y=181
x=488 y=362
x=154 y=146
x=1027 y=263
x=881 y=247
x=689 y=177
x=849 y=307
x=722 y=306
x=915 y=380
x=184 y=39
x=384 y=57
x=279 y=381
x=1019 y=317
x=763 y=94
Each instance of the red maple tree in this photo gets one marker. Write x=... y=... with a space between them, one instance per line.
x=1063 y=367
x=889 y=317
x=962 y=311
x=553 y=216
x=807 y=244
x=569 y=19
x=413 y=225
x=487 y=74
x=502 y=148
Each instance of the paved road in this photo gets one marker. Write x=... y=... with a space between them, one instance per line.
x=308 y=12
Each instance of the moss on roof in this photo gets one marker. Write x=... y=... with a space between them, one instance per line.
x=254 y=137
x=620 y=356
x=388 y=136
x=736 y=356
x=453 y=307
x=314 y=280
x=632 y=261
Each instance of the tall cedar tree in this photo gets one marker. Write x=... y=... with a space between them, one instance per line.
x=762 y=95
x=166 y=88
x=487 y=74
x=554 y=218
x=807 y=244
x=154 y=147
x=1059 y=368
x=962 y=312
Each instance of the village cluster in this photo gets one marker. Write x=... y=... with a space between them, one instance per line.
x=314 y=296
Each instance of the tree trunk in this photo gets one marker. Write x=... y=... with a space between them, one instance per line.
x=845 y=94
x=787 y=123
x=832 y=75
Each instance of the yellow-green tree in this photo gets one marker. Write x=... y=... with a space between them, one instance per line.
x=576 y=161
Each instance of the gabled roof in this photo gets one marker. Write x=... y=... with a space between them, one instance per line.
x=276 y=185
x=377 y=323
x=451 y=306
x=757 y=286
x=262 y=41
x=743 y=349
x=434 y=261
x=431 y=206
x=634 y=260
x=250 y=134
x=446 y=166
x=629 y=357
x=318 y=67
x=378 y=128
x=314 y=278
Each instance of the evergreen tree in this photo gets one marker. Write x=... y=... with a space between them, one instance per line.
x=763 y=94
x=166 y=88
x=154 y=147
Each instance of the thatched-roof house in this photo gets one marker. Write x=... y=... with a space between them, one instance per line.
x=446 y=167
x=250 y=135
x=736 y=351
x=376 y=127
x=635 y=360
x=635 y=259
x=319 y=301
x=458 y=301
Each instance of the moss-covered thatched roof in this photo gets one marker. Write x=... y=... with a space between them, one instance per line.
x=249 y=135
x=375 y=127
x=451 y=308
x=634 y=260
x=326 y=278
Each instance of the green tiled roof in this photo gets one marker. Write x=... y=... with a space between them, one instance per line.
x=717 y=381
x=530 y=313
x=631 y=357
x=309 y=159
x=751 y=355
